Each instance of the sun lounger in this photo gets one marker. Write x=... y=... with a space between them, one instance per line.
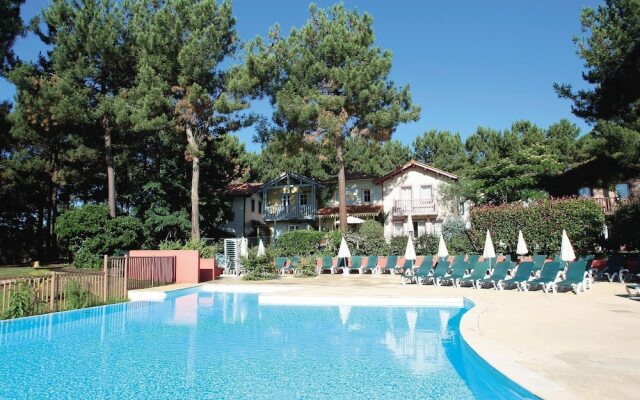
x=498 y=276
x=538 y=261
x=479 y=272
x=371 y=265
x=422 y=274
x=457 y=258
x=576 y=275
x=615 y=268
x=327 y=264
x=427 y=261
x=392 y=262
x=548 y=276
x=522 y=275
x=442 y=268
x=458 y=270
x=404 y=268
x=281 y=264
x=472 y=259
x=356 y=264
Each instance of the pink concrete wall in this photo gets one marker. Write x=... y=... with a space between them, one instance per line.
x=187 y=262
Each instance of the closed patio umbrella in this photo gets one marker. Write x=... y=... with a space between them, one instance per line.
x=410 y=251
x=489 y=252
x=521 y=248
x=409 y=227
x=261 y=250
x=442 y=248
x=343 y=254
x=566 y=249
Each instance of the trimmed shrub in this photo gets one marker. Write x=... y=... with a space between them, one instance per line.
x=87 y=233
x=300 y=243
x=307 y=268
x=259 y=268
x=397 y=245
x=427 y=244
x=454 y=228
x=624 y=227
x=372 y=239
x=541 y=223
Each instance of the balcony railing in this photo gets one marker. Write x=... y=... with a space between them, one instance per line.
x=414 y=207
x=611 y=204
x=283 y=213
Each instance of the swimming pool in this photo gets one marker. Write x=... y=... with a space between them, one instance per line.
x=210 y=345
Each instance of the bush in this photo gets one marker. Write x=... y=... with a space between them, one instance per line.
x=259 y=268
x=454 y=228
x=22 y=302
x=88 y=232
x=541 y=222
x=624 y=227
x=307 y=268
x=372 y=238
x=77 y=296
x=427 y=244
x=397 y=245
x=300 y=243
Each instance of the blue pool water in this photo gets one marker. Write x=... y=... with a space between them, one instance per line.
x=202 y=345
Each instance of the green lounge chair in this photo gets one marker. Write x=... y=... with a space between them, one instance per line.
x=408 y=275
x=479 y=272
x=427 y=262
x=538 y=261
x=522 y=275
x=458 y=271
x=392 y=262
x=342 y=264
x=442 y=268
x=548 y=276
x=576 y=275
x=615 y=268
x=293 y=264
x=472 y=259
x=281 y=264
x=422 y=275
x=458 y=258
x=498 y=276
x=356 y=264
x=372 y=264
x=327 y=264
x=407 y=267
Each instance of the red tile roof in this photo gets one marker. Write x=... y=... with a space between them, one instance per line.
x=243 y=189
x=370 y=209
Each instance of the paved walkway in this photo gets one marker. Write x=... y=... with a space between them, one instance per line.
x=558 y=346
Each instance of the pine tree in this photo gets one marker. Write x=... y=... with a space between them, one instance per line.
x=329 y=82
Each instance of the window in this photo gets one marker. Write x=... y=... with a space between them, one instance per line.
x=398 y=229
x=426 y=192
x=293 y=228
x=366 y=195
x=253 y=205
x=406 y=193
x=302 y=199
x=584 y=192
x=286 y=200
x=260 y=207
x=422 y=228
x=622 y=190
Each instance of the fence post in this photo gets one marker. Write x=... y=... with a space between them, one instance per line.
x=126 y=275
x=105 y=285
x=52 y=294
x=153 y=267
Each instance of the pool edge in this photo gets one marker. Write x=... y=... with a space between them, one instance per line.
x=494 y=356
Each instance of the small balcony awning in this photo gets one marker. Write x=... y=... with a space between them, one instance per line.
x=365 y=210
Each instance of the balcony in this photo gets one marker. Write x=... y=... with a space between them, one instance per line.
x=285 y=213
x=611 y=204
x=414 y=207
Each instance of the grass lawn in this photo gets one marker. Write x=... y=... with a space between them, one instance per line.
x=12 y=271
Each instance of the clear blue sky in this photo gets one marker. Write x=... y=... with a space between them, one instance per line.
x=469 y=63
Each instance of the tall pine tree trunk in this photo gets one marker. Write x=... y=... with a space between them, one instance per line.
x=342 y=197
x=111 y=174
x=195 y=184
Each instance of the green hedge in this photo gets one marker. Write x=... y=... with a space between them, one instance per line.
x=624 y=227
x=300 y=243
x=541 y=222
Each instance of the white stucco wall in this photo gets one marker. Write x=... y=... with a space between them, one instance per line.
x=242 y=215
x=354 y=193
x=414 y=178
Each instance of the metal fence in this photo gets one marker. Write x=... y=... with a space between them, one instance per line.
x=63 y=290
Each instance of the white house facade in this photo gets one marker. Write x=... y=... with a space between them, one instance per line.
x=364 y=200
x=247 y=209
x=413 y=193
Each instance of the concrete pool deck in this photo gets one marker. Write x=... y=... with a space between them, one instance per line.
x=558 y=346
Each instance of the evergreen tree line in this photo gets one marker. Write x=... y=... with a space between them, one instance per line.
x=134 y=100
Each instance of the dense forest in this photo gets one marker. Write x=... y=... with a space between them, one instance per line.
x=135 y=104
